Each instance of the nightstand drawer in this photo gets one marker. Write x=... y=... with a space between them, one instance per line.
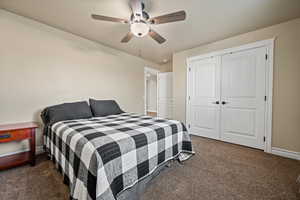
x=15 y=135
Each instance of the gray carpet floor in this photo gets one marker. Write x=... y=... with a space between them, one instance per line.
x=218 y=171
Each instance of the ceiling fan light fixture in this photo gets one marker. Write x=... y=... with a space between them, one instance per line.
x=140 y=29
x=140 y=22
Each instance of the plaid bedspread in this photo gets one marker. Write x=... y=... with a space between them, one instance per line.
x=101 y=157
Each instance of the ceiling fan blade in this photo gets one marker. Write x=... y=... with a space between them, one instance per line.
x=158 y=38
x=127 y=38
x=172 y=17
x=109 y=19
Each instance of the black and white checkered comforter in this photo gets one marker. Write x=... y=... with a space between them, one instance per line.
x=102 y=157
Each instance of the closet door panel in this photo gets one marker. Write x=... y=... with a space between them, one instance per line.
x=243 y=91
x=204 y=77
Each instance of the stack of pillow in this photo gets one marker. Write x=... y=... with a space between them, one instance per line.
x=79 y=110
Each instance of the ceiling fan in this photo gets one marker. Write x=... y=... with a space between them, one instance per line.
x=141 y=23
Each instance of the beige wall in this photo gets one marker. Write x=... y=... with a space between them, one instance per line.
x=42 y=66
x=286 y=100
x=167 y=67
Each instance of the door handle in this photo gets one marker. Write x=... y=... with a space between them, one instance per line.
x=217 y=102
x=224 y=102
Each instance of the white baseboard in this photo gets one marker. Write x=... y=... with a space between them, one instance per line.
x=154 y=111
x=286 y=153
x=38 y=150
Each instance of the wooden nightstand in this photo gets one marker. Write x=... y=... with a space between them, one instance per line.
x=18 y=132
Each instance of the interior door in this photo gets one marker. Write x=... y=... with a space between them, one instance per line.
x=204 y=91
x=165 y=95
x=243 y=91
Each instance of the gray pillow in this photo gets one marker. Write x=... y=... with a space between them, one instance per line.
x=66 y=111
x=102 y=108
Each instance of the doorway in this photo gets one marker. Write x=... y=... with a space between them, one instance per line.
x=151 y=92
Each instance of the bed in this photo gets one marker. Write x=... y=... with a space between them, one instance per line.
x=103 y=157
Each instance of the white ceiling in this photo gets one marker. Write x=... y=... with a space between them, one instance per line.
x=207 y=20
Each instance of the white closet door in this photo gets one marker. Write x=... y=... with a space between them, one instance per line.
x=243 y=97
x=204 y=90
x=165 y=95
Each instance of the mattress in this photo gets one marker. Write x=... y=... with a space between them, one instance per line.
x=102 y=157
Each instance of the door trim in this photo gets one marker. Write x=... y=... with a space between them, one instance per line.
x=269 y=44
